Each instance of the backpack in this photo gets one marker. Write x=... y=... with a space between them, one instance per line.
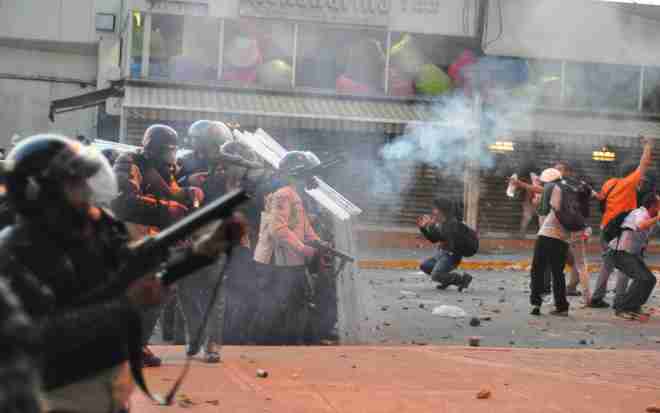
x=614 y=228
x=464 y=240
x=570 y=213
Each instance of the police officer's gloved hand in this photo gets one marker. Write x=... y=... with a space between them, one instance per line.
x=176 y=209
x=308 y=251
x=226 y=235
x=195 y=196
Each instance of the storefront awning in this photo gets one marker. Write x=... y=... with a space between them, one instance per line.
x=267 y=109
x=84 y=101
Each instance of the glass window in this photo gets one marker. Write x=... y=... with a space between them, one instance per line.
x=544 y=85
x=258 y=52
x=600 y=86
x=184 y=47
x=346 y=60
x=651 y=101
x=135 y=54
x=428 y=65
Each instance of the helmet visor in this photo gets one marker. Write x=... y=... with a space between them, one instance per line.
x=86 y=167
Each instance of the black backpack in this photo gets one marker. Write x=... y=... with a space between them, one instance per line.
x=570 y=213
x=464 y=240
x=614 y=228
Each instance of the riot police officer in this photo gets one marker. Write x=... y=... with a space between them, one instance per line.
x=88 y=313
x=202 y=168
x=281 y=252
x=206 y=138
x=149 y=197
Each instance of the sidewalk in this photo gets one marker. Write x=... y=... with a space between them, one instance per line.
x=409 y=259
x=420 y=379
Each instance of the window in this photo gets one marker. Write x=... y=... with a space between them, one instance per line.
x=258 y=52
x=651 y=101
x=544 y=86
x=346 y=60
x=427 y=65
x=135 y=53
x=184 y=47
x=600 y=86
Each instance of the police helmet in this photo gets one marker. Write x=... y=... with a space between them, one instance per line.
x=158 y=137
x=39 y=166
x=208 y=136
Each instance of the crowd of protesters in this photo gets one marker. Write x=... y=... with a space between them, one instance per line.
x=629 y=205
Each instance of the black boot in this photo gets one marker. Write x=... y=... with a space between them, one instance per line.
x=466 y=279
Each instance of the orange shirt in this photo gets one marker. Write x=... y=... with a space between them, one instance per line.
x=622 y=197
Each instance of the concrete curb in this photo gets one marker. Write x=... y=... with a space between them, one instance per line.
x=490 y=265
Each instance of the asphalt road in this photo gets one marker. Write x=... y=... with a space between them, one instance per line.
x=398 y=309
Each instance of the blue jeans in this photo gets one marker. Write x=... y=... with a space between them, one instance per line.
x=440 y=267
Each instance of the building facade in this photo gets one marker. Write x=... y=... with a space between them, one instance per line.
x=50 y=50
x=356 y=75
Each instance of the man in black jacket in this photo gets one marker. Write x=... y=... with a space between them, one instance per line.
x=87 y=312
x=437 y=229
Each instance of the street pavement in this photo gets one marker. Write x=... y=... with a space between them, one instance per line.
x=399 y=308
x=412 y=360
x=409 y=379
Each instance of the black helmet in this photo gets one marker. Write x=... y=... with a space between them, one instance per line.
x=157 y=137
x=207 y=135
x=39 y=165
x=295 y=163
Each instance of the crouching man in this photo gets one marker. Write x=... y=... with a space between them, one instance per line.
x=625 y=254
x=437 y=228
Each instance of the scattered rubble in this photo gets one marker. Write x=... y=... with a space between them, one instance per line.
x=262 y=374
x=484 y=394
x=450 y=311
x=474 y=341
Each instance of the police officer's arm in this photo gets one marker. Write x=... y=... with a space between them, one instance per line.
x=647 y=156
x=19 y=375
x=282 y=209
x=132 y=204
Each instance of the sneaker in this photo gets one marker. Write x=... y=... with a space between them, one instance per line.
x=536 y=311
x=626 y=315
x=465 y=282
x=149 y=359
x=212 y=357
x=599 y=304
x=559 y=313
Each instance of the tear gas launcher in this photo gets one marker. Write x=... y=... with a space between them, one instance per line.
x=153 y=251
x=325 y=249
